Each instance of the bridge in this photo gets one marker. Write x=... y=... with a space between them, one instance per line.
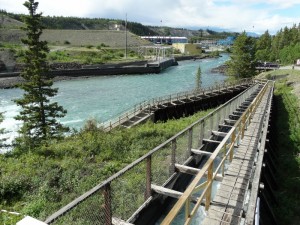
x=176 y=181
x=267 y=66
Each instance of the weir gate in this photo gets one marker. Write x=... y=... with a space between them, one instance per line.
x=176 y=180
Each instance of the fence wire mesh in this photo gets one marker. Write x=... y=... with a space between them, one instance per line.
x=128 y=192
x=161 y=163
x=91 y=211
x=207 y=127
x=182 y=152
x=196 y=136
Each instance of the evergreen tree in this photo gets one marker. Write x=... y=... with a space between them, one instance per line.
x=242 y=62
x=263 y=47
x=38 y=113
x=198 y=78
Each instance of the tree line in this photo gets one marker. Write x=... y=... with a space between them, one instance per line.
x=283 y=48
x=76 y=23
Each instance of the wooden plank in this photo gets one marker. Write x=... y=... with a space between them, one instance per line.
x=225 y=125
x=256 y=179
x=199 y=152
x=187 y=169
x=194 y=171
x=170 y=193
x=117 y=221
x=218 y=133
x=211 y=141
x=230 y=121
x=166 y=191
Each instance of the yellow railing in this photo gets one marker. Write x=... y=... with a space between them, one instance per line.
x=234 y=136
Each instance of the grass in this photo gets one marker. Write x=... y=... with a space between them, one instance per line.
x=288 y=127
x=40 y=181
x=287 y=102
x=91 y=55
x=114 y=39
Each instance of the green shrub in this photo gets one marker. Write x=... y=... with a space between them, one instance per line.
x=57 y=172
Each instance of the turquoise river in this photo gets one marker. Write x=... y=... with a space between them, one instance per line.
x=105 y=97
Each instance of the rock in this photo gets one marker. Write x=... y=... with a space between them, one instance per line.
x=2 y=66
x=220 y=69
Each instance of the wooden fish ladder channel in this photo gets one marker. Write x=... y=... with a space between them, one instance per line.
x=146 y=110
x=227 y=137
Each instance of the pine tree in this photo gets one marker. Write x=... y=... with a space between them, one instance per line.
x=263 y=47
x=242 y=62
x=38 y=113
x=198 y=78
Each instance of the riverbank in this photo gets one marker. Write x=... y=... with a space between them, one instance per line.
x=70 y=71
x=11 y=80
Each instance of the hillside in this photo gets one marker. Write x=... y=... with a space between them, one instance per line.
x=8 y=22
x=12 y=20
x=113 y=39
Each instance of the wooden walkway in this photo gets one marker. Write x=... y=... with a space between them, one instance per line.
x=228 y=205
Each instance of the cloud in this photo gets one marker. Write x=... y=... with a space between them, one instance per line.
x=236 y=15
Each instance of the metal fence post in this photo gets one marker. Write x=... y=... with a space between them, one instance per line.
x=107 y=202
x=201 y=135
x=190 y=141
x=148 y=178
x=173 y=155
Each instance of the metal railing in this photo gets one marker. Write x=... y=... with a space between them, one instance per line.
x=148 y=105
x=125 y=193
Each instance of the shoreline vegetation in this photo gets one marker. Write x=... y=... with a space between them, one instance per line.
x=46 y=178
x=287 y=120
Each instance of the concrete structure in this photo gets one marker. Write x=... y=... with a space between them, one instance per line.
x=208 y=43
x=189 y=49
x=165 y=39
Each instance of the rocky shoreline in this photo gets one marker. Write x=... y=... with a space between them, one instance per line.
x=220 y=69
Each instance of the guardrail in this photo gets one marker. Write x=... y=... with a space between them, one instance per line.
x=146 y=106
x=124 y=194
x=226 y=148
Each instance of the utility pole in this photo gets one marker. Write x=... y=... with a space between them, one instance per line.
x=126 y=37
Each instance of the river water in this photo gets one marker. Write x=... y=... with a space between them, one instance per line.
x=105 y=97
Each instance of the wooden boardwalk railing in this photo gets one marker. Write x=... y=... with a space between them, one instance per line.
x=226 y=147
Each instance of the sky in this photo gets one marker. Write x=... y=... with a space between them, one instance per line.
x=233 y=15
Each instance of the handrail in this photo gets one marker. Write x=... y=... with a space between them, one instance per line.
x=148 y=104
x=104 y=187
x=233 y=136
